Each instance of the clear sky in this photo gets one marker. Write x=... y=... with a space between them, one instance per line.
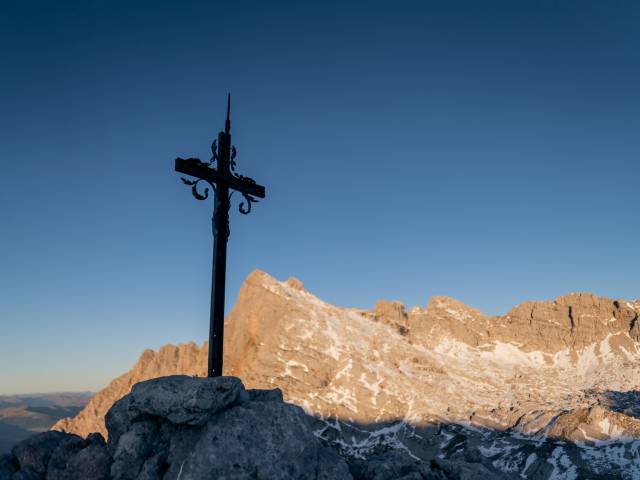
x=482 y=150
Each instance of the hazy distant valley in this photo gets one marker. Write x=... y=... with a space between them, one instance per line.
x=23 y=415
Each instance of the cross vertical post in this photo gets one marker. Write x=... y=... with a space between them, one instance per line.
x=220 y=179
x=220 y=226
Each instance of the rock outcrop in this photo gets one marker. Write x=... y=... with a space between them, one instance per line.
x=574 y=321
x=201 y=428
x=57 y=456
x=524 y=374
x=191 y=428
x=187 y=428
x=594 y=424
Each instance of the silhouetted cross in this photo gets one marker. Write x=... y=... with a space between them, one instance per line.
x=220 y=179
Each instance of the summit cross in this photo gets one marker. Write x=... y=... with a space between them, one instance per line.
x=221 y=179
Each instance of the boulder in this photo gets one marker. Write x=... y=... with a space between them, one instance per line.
x=8 y=466
x=202 y=428
x=178 y=399
x=57 y=456
x=181 y=399
x=258 y=440
x=188 y=428
x=33 y=453
x=396 y=465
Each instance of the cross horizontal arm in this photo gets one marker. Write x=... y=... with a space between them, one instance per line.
x=195 y=168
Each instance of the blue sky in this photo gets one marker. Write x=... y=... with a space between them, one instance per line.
x=482 y=150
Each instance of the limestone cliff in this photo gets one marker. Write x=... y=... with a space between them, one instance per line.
x=540 y=370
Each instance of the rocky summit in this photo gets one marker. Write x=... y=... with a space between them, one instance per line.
x=549 y=390
x=191 y=428
x=186 y=428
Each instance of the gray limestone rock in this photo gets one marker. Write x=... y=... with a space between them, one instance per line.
x=117 y=421
x=258 y=395
x=178 y=399
x=203 y=428
x=153 y=467
x=92 y=462
x=137 y=444
x=8 y=466
x=258 y=440
x=395 y=465
x=183 y=399
x=26 y=475
x=96 y=439
x=56 y=467
x=57 y=456
x=33 y=453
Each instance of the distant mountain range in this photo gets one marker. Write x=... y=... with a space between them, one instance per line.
x=23 y=415
x=549 y=390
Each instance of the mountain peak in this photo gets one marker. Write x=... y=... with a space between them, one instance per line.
x=576 y=320
x=445 y=363
x=443 y=305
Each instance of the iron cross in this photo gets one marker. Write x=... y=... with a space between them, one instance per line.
x=221 y=180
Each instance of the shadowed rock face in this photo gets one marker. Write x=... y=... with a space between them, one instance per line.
x=444 y=364
x=235 y=434
x=57 y=456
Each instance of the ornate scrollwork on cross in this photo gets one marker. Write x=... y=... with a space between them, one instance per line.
x=194 y=188
x=250 y=200
x=232 y=160
x=245 y=210
x=214 y=151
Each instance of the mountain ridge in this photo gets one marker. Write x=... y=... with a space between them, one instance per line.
x=544 y=370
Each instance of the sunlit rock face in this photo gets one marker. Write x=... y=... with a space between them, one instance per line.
x=446 y=361
x=545 y=371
